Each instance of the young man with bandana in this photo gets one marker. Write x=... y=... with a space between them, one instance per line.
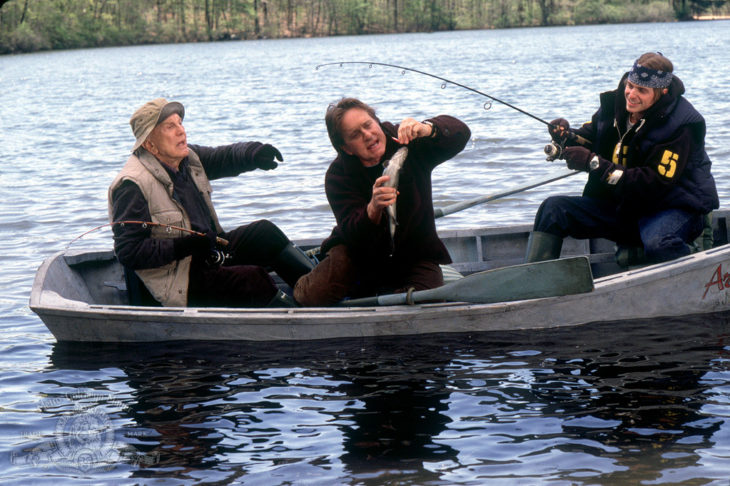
x=649 y=181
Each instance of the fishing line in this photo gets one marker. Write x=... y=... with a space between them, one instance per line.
x=145 y=224
x=487 y=105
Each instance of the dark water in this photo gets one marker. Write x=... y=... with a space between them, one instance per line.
x=631 y=403
x=643 y=403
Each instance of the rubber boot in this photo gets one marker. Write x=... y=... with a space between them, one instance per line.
x=282 y=300
x=292 y=263
x=543 y=246
x=630 y=257
x=707 y=233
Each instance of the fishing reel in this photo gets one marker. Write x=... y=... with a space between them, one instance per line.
x=217 y=258
x=554 y=150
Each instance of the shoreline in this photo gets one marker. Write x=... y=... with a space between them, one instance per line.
x=235 y=38
x=711 y=17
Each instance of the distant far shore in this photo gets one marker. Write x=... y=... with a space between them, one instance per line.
x=711 y=17
x=41 y=25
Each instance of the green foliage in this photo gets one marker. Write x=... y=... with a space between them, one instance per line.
x=355 y=13
x=596 y=11
x=30 y=25
x=22 y=39
x=656 y=11
x=590 y=12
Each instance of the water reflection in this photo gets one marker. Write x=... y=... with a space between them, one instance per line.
x=396 y=408
x=624 y=406
x=618 y=403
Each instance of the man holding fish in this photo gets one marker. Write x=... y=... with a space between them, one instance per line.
x=379 y=188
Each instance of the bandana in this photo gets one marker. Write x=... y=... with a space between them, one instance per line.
x=648 y=77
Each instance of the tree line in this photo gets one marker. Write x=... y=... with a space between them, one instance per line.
x=31 y=25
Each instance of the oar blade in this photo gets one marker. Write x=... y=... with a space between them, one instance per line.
x=519 y=282
x=551 y=278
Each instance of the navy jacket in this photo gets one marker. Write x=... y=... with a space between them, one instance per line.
x=660 y=163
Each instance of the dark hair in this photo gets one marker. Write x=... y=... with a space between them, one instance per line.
x=655 y=60
x=334 y=115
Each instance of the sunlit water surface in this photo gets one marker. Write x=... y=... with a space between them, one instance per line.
x=638 y=403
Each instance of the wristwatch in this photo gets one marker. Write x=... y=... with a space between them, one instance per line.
x=593 y=164
x=433 y=127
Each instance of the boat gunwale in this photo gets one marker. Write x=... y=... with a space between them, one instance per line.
x=604 y=284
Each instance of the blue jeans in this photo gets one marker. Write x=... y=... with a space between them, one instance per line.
x=664 y=235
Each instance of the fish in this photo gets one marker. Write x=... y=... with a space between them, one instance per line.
x=392 y=169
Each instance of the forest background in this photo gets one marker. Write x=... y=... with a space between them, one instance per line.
x=33 y=25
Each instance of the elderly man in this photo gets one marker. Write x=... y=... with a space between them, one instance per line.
x=369 y=251
x=166 y=182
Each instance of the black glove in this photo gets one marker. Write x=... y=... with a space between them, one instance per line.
x=196 y=245
x=263 y=157
x=558 y=129
x=577 y=157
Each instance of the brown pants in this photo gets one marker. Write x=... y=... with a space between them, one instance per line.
x=336 y=277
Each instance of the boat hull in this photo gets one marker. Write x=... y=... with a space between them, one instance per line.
x=692 y=285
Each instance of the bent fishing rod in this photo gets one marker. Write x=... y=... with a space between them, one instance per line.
x=404 y=69
x=145 y=224
x=487 y=105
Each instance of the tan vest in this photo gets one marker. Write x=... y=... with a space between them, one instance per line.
x=169 y=283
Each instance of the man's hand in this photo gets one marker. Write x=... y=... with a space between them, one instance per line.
x=558 y=129
x=199 y=246
x=383 y=196
x=410 y=129
x=264 y=155
x=577 y=157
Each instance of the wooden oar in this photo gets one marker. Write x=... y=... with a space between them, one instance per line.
x=527 y=281
x=439 y=212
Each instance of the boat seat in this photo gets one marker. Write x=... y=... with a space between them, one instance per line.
x=120 y=286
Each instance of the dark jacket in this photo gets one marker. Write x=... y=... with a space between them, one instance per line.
x=661 y=159
x=349 y=186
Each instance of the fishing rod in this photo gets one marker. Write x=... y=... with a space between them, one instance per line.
x=452 y=208
x=552 y=150
x=144 y=224
x=487 y=105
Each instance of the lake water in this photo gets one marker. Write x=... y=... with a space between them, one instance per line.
x=638 y=403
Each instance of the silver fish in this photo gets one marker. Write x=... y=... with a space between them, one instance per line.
x=392 y=169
